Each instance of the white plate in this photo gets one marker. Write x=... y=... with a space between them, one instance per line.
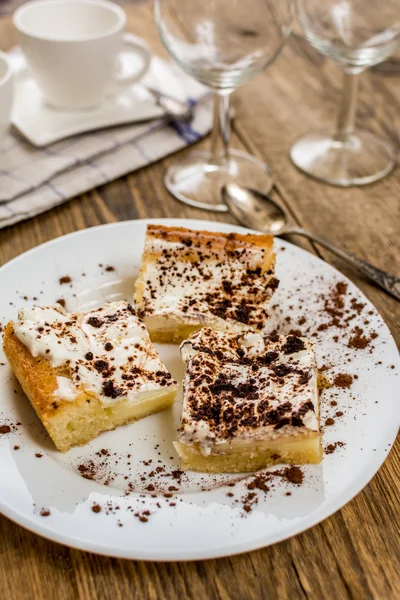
x=42 y=124
x=199 y=524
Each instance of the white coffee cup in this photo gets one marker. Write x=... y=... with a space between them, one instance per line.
x=72 y=48
x=6 y=95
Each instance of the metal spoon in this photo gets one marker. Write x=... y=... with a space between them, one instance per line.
x=256 y=211
x=174 y=109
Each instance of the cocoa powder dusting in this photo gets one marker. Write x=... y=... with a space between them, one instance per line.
x=359 y=341
x=343 y=380
x=65 y=279
x=264 y=481
x=259 y=482
x=330 y=448
x=294 y=475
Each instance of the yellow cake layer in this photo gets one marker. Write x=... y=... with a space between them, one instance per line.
x=172 y=331
x=249 y=458
x=168 y=331
x=74 y=423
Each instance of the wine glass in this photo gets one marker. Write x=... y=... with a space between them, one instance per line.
x=223 y=44
x=357 y=34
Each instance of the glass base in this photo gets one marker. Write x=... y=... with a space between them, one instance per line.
x=364 y=158
x=198 y=183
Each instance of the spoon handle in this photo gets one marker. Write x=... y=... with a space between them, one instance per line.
x=386 y=281
x=174 y=109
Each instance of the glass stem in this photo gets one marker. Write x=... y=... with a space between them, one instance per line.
x=348 y=107
x=221 y=130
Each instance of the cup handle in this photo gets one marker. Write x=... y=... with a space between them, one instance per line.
x=135 y=45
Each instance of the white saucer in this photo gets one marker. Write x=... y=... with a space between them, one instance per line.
x=42 y=124
x=43 y=491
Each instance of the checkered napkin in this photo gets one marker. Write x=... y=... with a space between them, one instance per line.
x=33 y=180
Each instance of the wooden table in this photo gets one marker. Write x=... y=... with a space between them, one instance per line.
x=353 y=554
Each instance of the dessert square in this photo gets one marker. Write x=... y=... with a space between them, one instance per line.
x=85 y=373
x=249 y=402
x=192 y=279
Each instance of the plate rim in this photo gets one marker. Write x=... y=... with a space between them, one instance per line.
x=348 y=494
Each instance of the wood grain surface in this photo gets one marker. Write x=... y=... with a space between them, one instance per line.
x=353 y=554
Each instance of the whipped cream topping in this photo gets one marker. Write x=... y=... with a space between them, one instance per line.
x=200 y=277
x=106 y=351
x=247 y=387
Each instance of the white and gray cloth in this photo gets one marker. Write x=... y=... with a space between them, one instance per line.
x=33 y=180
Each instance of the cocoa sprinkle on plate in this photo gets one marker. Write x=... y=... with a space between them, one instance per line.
x=65 y=279
x=294 y=475
x=330 y=448
x=359 y=340
x=343 y=380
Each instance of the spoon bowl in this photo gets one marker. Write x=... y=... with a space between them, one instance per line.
x=254 y=210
